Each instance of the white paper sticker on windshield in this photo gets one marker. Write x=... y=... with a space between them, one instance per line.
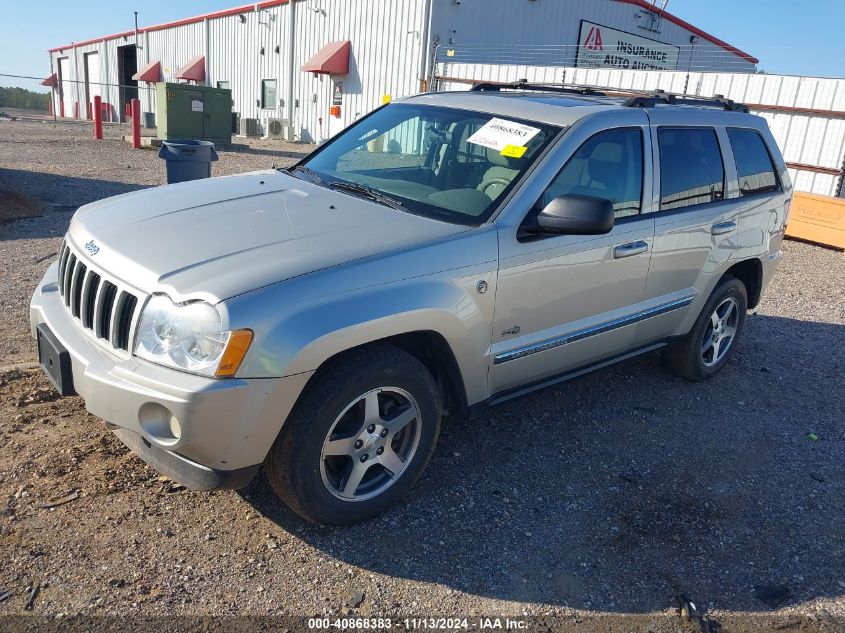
x=498 y=133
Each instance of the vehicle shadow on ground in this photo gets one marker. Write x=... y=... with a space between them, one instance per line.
x=619 y=490
x=27 y=194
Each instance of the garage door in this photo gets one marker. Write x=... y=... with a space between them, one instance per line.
x=67 y=88
x=92 y=79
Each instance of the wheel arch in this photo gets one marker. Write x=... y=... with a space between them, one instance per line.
x=750 y=273
x=430 y=348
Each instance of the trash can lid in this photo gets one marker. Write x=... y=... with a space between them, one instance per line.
x=175 y=142
x=187 y=150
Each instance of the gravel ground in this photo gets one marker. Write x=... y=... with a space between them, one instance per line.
x=593 y=503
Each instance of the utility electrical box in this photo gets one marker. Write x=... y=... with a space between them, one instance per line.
x=186 y=111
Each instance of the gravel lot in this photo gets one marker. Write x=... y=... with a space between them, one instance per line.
x=594 y=503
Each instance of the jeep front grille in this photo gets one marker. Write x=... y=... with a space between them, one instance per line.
x=98 y=303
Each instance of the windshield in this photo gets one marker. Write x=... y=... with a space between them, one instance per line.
x=443 y=163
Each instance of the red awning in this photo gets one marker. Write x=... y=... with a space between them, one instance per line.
x=151 y=73
x=332 y=59
x=51 y=81
x=193 y=70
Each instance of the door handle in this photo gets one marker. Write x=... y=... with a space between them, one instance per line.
x=721 y=228
x=629 y=249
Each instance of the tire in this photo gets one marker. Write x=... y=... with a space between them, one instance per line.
x=315 y=461
x=695 y=359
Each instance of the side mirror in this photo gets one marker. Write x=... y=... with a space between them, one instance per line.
x=575 y=214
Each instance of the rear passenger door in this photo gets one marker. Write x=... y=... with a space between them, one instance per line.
x=695 y=220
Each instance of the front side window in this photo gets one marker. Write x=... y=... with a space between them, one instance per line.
x=444 y=163
x=609 y=165
x=691 y=169
x=268 y=94
x=754 y=167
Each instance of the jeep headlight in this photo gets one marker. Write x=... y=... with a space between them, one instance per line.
x=189 y=336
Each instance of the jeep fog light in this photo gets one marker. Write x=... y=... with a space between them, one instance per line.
x=187 y=336
x=159 y=423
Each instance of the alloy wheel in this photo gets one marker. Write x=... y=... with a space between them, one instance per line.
x=370 y=444
x=720 y=332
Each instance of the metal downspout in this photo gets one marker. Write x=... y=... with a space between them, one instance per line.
x=151 y=97
x=289 y=102
x=106 y=80
x=206 y=51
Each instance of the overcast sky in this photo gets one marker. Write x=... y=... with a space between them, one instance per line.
x=788 y=37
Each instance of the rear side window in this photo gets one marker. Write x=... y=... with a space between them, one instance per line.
x=691 y=169
x=754 y=166
x=608 y=165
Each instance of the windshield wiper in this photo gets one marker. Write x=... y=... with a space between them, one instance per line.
x=367 y=192
x=313 y=175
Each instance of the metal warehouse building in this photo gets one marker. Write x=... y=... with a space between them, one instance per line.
x=316 y=65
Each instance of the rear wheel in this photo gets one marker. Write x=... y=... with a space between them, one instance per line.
x=358 y=439
x=703 y=352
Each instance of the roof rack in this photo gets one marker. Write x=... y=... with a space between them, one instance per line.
x=522 y=84
x=658 y=97
x=639 y=98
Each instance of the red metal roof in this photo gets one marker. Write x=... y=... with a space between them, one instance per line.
x=151 y=73
x=332 y=59
x=51 y=81
x=193 y=70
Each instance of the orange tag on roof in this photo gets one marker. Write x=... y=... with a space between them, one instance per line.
x=514 y=151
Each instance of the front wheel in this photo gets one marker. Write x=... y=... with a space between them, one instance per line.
x=358 y=439
x=711 y=342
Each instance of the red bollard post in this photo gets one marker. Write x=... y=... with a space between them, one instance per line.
x=98 y=117
x=76 y=109
x=136 y=123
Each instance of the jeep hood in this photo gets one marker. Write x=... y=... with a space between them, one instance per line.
x=220 y=237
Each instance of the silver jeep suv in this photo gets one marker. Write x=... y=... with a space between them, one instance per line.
x=445 y=253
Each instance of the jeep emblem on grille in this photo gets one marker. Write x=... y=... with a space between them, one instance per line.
x=92 y=248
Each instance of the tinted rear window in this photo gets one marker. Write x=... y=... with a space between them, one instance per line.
x=754 y=166
x=691 y=170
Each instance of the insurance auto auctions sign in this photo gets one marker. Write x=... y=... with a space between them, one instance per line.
x=603 y=47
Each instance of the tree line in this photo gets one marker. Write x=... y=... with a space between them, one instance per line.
x=24 y=99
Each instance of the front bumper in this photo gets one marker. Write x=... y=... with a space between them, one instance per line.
x=203 y=432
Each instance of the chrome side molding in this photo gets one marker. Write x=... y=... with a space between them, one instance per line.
x=601 y=328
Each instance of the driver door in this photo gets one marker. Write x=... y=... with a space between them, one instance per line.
x=565 y=302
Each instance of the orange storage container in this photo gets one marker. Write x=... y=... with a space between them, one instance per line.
x=818 y=219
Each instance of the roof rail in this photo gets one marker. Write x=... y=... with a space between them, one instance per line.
x=522 y=84
x=638 y=98
x=658 y=97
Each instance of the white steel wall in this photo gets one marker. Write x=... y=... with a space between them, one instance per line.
x=385 y=59
x=74 y=89
x=390 y=46
x=235 y=56
x=546 y=32
x=814 y=139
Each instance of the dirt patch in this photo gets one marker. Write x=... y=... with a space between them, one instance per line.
x=14 y=206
